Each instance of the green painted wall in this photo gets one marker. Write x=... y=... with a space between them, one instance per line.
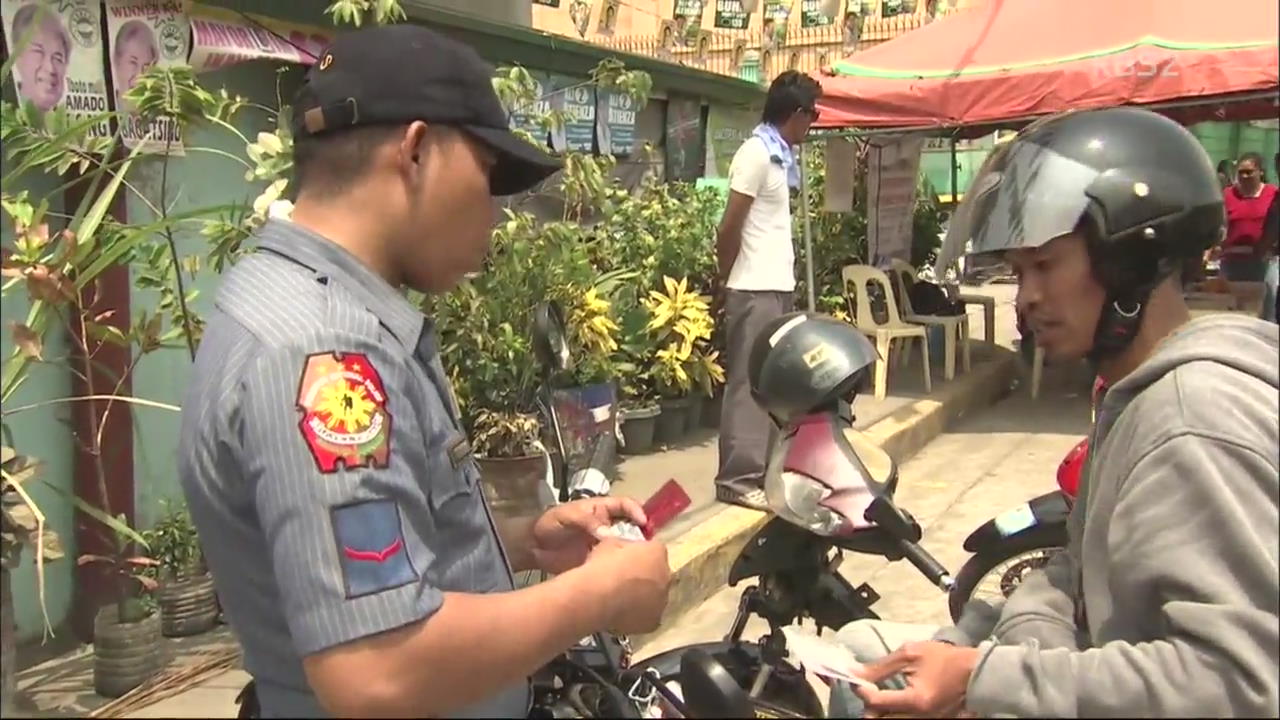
x=44 y=434
x=195 y=181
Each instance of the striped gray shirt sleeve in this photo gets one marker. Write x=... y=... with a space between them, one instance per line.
x=331 y=448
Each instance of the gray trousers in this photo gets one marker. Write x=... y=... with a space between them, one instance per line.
x=746 y=432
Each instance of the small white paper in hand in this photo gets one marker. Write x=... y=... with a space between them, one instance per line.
x=823 y=657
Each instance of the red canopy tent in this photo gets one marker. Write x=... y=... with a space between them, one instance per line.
x=1009 y=61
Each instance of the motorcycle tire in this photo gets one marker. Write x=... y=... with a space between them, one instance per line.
x=1047 y=537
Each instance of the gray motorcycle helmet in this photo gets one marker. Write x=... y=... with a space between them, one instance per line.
x=802 y=362
x=1139 y=186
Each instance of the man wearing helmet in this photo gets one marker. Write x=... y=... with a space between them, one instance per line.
x=1164 y=603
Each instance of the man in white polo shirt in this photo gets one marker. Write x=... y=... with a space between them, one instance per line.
x=756 y=273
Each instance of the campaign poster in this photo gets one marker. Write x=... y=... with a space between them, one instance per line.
x=143 y=34
x=777 y=16
x=731 y=15
x=616 y=123
x=727 y=129
x=576 y=100
x=812 y=13
x=685 y=152
x=528 y=117
x=688 y=17
x=221 y=37
x=57 y=51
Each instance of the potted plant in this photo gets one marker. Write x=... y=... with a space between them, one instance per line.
x=126 y=633
x=681 y=322
x=186 y=598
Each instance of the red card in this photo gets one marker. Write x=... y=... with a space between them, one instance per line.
x=663 y=507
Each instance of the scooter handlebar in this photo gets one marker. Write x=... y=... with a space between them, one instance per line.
x=927 y=564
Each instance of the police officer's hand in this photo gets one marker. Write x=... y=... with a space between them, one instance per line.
x=565 y=534
x=638 y=576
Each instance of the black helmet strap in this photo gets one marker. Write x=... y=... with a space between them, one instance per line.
x=1121 y=316
x=1119 y=323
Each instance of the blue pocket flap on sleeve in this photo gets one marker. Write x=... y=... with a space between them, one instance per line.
x=371 y=547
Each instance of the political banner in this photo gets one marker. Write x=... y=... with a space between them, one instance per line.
x=527 y=117
x=576 y=100
x=57 y=51
x=727 y=128
x=142 y=34
x=616 y=123
x=777 y=16
x=685 y=153
x=221 y=37
x=731 y=15
x=688 y=17
x=813 y=12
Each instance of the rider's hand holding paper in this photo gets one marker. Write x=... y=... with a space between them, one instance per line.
x=937 y=677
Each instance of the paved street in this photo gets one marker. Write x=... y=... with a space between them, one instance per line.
x=985 y=464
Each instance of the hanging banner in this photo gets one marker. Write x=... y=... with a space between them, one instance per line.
x=527 y=118
x=688 y=17
x=221 y=37
x=731 y=15
x=838 y=176
x=615 y=123
x=57 y=51
x=576 y=99
x=812 y=13
x=143 y=33
x=684 y=148
x=893 y=168
x=727 y=129
x=777 y=16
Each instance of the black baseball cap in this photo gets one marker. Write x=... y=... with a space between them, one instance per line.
x=401 y=73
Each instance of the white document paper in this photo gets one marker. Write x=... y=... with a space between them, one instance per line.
x=823 y=657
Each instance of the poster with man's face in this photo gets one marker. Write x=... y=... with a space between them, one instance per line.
x=143 y=34
x=57 y=51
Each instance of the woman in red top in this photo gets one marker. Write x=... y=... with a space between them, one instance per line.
x=1247 y=201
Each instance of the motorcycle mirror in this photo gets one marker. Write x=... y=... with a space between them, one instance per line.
x=549 y=341
x=709 y=690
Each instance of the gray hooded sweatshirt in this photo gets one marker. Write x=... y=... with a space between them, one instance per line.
x=1167 y=602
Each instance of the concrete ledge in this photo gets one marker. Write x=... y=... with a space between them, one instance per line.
x=700 y=558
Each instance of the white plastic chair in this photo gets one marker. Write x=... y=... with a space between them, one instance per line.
x=955 y=327
x=988 y=304
x=858 y=279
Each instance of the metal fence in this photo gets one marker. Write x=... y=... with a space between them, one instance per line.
x=744 y=54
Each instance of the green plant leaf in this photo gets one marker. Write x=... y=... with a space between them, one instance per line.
x=116 y=525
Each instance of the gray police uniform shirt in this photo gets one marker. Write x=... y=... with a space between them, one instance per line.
x=325 y=467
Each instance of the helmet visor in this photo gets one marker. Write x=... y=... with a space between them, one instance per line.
x=1024 y=196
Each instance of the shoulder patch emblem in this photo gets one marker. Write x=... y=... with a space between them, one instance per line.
x=344 y=412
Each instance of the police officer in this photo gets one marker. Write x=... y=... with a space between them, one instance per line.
x=321 y=453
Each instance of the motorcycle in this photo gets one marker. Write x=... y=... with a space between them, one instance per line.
x=831 y=490
x=1011 y=545
x=583 y=681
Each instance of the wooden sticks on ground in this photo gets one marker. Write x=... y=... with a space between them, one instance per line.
x=205 y=666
